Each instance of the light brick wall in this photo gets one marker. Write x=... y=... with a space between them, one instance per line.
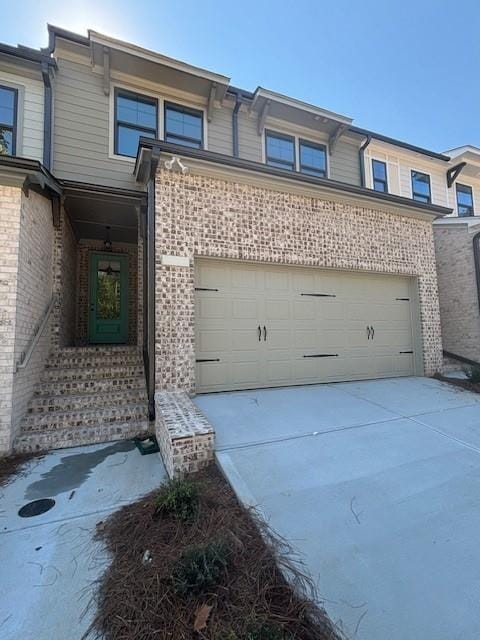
x=65 y=283
x=10 y=205
x=85 y=247
x=34 y=293
x=459 y=311
x=199 y=216
x=26 y=285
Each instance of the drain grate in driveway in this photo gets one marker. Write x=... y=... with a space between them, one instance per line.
x=36 y=507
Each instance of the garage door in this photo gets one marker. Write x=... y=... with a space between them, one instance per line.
x=265 y=326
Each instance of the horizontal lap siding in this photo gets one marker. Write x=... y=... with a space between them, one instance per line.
x=344 y=163
x=81 y=142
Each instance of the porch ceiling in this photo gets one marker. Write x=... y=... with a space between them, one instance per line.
x=92 y=213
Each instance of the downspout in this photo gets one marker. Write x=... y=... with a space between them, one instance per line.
x=150 y=229
x=236 y=109
x=47 y=116
x=361 y=157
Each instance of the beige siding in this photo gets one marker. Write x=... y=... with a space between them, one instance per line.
x=344 y=162
x=30 y=113
x=249 y=142
x=220 y=131
x=81 y=130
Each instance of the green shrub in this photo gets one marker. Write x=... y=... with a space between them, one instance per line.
x=266 y=632
x=178 y=498
x=473 y=374
x=200 y=568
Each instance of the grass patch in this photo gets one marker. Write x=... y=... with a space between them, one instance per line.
x=219 y=575
x=14 y=466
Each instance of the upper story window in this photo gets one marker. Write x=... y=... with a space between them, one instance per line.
x=379 y=174
x=183 y=125
x=313 y=159
x=280 y=150
x=8 y=120
x=464 y=200
x=421 y=187
x=135 y=116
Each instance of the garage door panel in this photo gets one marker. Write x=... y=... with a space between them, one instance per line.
x=299 y=325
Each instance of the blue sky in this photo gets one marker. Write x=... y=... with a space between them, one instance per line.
x=408 y=69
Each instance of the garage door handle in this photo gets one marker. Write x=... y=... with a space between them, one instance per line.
x=373 y=332
x=259 y=332
x=264 y=333
x=368 y=333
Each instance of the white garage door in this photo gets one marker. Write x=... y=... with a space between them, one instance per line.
x=265 y=326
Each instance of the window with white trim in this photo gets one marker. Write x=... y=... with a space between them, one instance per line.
x=421 y=190
x=136 y=116
x=464 y=200
x=8 y=120
x=379 y=176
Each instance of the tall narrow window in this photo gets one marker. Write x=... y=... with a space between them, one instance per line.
x=421 y=187
x=135 y=116
x=313 y=159
x=183 y=125
x=8 y=120
x=379 y=173
x=280 y=150
x=464 y=201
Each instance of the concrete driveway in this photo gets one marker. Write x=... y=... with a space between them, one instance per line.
x=49 y=562
x=377 y=483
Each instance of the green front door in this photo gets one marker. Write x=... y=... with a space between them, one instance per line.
x=108 y=318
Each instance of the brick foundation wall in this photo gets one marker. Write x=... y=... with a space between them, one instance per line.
x=85 y=247
x=459 y=311
x=26 y=287
x=65 y=283
x=198 y=216
x=10 y=205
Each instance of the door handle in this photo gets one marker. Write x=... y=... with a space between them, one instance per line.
x=264 y=333
x=368 y=333
x=259 y=333
x=373 y=332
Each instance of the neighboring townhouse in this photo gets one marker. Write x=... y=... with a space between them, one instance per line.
x=234 y=239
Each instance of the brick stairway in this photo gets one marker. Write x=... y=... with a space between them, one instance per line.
x=87 y=395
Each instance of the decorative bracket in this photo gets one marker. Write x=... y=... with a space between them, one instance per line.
x=335 y=136
x=263 y=117
x=211 y=100
x=175 y=160
x=454 y=172
x=106 y=71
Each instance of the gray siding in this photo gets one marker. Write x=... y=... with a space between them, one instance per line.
x=81 y=128
x=345 y=163
x=219 y=131
x=249 y=142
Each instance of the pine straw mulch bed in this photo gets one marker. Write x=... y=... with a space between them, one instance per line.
x=137 y=597
x=463 y=383
x=15 y=465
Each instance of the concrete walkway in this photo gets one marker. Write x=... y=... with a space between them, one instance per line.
x=377 y=483
x=49 y=562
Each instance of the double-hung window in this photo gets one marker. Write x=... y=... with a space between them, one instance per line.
x=379 y=174
x=8 y=120
x=183 y=125
x=421 y=187
x=135 y=116
x=313 y=159
x=280 y=150
x=464 y=200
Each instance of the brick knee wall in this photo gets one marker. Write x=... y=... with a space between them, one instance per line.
x=198 y=216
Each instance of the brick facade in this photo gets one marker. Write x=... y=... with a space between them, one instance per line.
x=26 y=287
x=84 y=249
x=65 y=284
x=459 y=310
x=199 y=216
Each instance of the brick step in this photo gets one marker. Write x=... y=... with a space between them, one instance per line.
x=93 y=360
x=100 y=349
x=71 y=387
x=91 y=373
x=45 y=404
x=84 y=417
x=62 y=438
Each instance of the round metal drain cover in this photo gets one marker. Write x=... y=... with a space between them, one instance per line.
x=36 y=507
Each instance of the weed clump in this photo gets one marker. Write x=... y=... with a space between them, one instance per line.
x=178 y=498
x=200 y=568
